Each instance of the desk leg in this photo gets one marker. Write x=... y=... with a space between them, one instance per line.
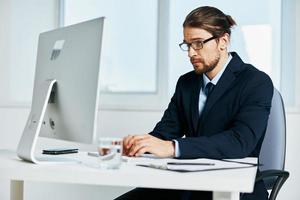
x=226 y=196
x=16 y=190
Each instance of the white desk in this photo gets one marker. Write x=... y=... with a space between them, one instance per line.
x=225 y=184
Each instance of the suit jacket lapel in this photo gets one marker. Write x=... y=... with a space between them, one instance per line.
x=225 y=83
x=195 y=102
x=222 y=86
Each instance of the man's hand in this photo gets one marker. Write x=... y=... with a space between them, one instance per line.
x=136 y=145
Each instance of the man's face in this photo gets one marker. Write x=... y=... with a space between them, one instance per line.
x=203 y=60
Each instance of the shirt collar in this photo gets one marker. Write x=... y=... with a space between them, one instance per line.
x=219 y=74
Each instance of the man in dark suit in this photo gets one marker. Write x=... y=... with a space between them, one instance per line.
x=221 y=107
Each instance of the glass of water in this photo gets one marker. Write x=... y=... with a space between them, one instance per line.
x=110 y=152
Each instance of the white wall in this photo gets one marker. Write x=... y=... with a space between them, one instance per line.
x=37 y=16
x=21 y=23
x=291 y=188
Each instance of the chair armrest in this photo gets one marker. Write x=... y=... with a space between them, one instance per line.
x=271 y=173
x=281 y=175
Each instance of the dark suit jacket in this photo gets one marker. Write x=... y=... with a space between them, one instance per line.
x=233 y=121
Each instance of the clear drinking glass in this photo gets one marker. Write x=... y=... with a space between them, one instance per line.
x=110 y=152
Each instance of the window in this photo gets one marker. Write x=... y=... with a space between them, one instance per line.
x=131 y=51
x=256 y=38
x=260 y=39
x=141 y=60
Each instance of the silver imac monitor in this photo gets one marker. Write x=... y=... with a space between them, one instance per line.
x=66 y=87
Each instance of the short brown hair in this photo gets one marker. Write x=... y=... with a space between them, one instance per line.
x=210 y=19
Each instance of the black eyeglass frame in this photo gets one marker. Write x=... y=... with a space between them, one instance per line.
x=193 y=44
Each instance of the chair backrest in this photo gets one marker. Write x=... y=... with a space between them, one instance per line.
x=272 y=154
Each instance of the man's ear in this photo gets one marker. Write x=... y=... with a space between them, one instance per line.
x=224 y=41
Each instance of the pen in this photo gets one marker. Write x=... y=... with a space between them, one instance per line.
x=184 y=163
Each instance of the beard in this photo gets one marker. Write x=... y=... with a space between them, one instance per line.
x=206 y=66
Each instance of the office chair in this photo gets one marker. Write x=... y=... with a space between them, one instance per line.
x=272 y=154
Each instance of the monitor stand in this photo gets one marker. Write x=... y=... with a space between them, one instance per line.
x=27 y=144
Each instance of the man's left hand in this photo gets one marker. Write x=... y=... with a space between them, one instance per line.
x=138 y=144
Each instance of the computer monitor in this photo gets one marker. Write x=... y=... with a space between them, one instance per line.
x=66 y=87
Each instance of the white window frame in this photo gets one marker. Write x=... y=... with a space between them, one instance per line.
x=289 y=49
x=142 y=100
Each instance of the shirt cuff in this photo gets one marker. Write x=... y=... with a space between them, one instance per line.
x=177 y=151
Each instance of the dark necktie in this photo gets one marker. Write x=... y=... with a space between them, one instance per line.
x=208 y=89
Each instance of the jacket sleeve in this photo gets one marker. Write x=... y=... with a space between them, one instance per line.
x=246 y=130
x=171 y=124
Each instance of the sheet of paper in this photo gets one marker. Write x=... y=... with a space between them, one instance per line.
x=194 y=165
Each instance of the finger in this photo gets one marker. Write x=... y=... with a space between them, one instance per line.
x=146 y=141
x=142 y=151
x=149 y=146
x=129 y=141
x=134 y=139
x=126 y=147
x=136 y=146
x=124 y=150
x=127 y=138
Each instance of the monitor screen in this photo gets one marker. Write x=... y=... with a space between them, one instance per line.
x=66 y=86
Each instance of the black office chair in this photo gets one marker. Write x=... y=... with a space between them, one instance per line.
x=272 y=154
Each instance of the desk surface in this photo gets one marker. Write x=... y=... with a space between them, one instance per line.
x=129 y=175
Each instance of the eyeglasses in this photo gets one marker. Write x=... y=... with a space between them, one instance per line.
x=196 y=45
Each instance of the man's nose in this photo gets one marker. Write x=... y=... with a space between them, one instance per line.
x=191 y=52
